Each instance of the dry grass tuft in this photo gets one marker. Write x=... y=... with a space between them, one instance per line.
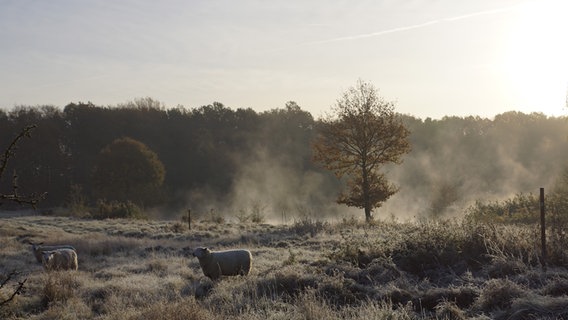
x=185 y=309
x=535 y=307
x=59 y=286
x=499 y=294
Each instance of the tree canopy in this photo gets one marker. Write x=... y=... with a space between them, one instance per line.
x=127 y=170
x=355 y=142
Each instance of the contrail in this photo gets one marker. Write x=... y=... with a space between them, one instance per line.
x=416 y=26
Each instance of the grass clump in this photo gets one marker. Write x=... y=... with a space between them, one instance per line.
x=59 y=287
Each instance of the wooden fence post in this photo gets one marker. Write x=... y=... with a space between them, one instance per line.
x=189 y=218
x=542 y=229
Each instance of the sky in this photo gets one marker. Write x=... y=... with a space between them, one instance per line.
x=433 y=58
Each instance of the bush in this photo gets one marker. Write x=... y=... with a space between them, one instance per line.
x=308 y=226
x=523 y=208
x=118 y=210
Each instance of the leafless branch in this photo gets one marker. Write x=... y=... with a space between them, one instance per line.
x=16 y=292
x=10 y=152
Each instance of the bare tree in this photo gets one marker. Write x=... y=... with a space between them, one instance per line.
x=14 y=195
x=357 y=140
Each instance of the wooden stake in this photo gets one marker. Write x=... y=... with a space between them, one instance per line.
x=542 y=229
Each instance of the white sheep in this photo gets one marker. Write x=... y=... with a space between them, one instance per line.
x=223 y=263
x=39 y=248
x=61 y=259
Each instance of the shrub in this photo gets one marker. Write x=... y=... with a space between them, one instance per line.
x=523 y=208
x=118 y=210
x=308 y=226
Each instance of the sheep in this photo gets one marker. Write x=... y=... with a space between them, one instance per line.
x=223 y=263
x=61 y=259
x=39 y=248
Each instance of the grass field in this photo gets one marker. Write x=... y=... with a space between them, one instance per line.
x=143 y=269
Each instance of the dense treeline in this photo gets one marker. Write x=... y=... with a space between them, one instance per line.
x=202 y=149
x=223 y=159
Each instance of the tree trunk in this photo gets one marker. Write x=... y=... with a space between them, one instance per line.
x=366 y=197
x=368 y=216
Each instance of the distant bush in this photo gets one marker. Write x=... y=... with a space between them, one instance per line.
x=118 y=210
x=308 y=226
x=523 y=208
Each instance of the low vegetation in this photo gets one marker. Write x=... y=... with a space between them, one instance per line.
x=143 y=269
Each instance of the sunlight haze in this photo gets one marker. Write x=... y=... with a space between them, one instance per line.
x=433 y=58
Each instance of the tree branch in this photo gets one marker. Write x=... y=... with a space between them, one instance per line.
x=10 y=152
x=18 y=290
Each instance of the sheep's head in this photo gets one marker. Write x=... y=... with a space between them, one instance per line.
x=36 y=246
x=201 y=252
x=47 y=256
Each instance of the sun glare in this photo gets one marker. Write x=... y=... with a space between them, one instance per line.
x=537 y=61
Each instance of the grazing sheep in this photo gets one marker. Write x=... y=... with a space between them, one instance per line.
x=223 y=263
x=61 y=259
x=39 y=248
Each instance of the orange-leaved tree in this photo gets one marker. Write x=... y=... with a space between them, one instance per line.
x=362 y=134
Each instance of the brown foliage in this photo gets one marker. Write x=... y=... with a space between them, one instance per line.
x=363 y=135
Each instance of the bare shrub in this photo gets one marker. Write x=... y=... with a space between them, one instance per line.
x=309 y=226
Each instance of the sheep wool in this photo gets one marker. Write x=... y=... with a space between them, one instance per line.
x=39 y=248
x=61 y=259
x=223 y=263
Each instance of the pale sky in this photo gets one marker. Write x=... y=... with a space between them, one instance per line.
x=432 y=57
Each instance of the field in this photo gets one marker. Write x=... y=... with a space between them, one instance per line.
x=308 y=269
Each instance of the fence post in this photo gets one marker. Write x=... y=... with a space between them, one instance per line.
x=189 y=218
x=542 y=229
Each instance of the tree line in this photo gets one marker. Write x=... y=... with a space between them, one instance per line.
x=203 y=152
x=200 y=148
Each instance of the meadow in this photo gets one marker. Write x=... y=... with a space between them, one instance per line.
x=307 y=269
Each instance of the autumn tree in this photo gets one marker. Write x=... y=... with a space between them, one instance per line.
x=127 y=170
x=361 y=135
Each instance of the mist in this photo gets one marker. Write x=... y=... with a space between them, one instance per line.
x=453 y=163
x=457 y=161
